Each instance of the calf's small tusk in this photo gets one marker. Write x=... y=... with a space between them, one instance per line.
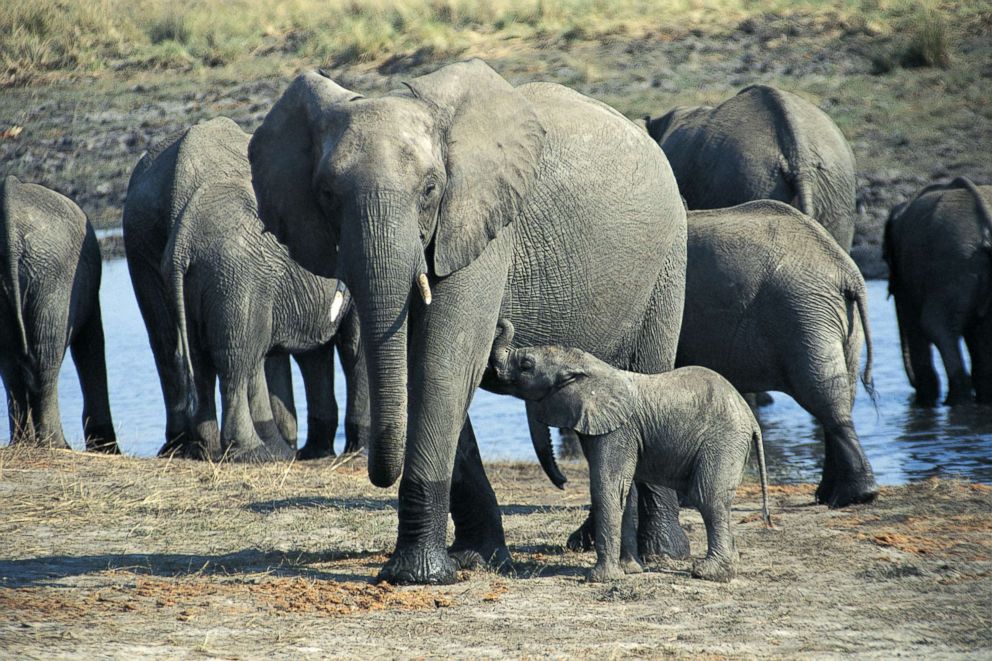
x=336 y=305
x=424 y=287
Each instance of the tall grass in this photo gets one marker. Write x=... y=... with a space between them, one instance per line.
x=38 y=36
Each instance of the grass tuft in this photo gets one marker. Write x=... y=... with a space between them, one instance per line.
x=929 y=43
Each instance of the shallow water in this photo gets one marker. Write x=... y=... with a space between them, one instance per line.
x=902 y=442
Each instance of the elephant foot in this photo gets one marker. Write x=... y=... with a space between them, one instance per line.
x=660 y=539
x=102 y=445
x=356 y=437
x=496 y=557
x=418 y=565
x=583 y=539
x=314 y=451
x=713 y=568
x=958 y=396
x=604 y=573
x=260 y=453
x=630 y=565
x=836 y=493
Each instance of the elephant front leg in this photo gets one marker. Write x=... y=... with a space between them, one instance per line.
x=357 y=417
x=479 y=537
x=317 y=368
x=449 y=345
x=611 y=471
x=279 y=377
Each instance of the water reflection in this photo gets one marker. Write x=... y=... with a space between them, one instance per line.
x=902 y=442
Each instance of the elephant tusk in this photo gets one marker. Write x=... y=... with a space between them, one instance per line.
x=336 y=305
x=424 y=287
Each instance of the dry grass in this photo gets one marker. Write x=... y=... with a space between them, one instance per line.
x=42 y=37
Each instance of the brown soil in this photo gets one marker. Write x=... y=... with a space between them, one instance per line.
x=125 y=557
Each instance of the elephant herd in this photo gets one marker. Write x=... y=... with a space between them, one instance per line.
x=405 y=229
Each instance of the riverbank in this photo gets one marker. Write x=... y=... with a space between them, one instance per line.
x=81 y=130
x=122 y=558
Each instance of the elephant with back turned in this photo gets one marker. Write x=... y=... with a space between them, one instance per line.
x=938 y=246
x=532 y=203
x=164 y=181
x=763 y=143
x=49 y=301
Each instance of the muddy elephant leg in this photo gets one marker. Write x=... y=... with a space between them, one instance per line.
x=18 y=408
x=279 y=377
x=659 y=533
x=91 y=367
x=260 y=405
x=917 y=358
x=357 y=416
x=611 y=472
x=720 y=563
x=958 y=379
x=478 y=529
x=822 y=387
x=449 y=345
x=45 y=409
x=979 y=341
x=317 y=368
x=239 y=439
x=150 y=292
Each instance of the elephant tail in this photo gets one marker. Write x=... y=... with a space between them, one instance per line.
x=857 y=293
x=759 y=452
x=12 y=252
x=175 y=263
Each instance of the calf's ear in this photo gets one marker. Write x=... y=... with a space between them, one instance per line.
x=590 y=406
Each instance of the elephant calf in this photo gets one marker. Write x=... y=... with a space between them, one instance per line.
x=687 y=430
x=939 y=249
x=50 y=291
x=773 y=303
x=238 y=296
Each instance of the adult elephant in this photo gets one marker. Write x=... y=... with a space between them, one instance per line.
x=161 y=186
x=50 y=301
x=763 y=143
x=532 y=203
x=938 y=246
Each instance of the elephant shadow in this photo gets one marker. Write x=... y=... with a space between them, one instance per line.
x=320 y=502
x=49 y=570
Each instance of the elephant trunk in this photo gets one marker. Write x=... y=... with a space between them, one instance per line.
x=540 y=436
x=382 y=260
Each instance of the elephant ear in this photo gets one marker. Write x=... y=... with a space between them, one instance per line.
x=494 y=140
x=284 y=152
x=590 y=406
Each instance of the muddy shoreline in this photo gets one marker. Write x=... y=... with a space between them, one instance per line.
x=125 y=557
x=908 y=127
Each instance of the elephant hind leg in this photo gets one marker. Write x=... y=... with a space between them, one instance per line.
x=240 y=441
x=91 y=367
x=317 y=369
x=45 y=409
x=260 y=405
x=958 y=379
x=917 y=356
x=821 y=385
x=979 y=341
x=18 y=406
x=279 y=377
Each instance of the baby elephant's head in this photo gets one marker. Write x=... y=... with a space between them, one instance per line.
x=570 y=388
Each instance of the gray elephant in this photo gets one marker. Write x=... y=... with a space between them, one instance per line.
x=687 y=429
x=50 y=302
x=482 y=200
x=773 y=303
x=163 y=182
x=238 y=296
x=938 y=246
x=763 y=143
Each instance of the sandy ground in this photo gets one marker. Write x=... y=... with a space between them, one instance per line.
x=125 y=557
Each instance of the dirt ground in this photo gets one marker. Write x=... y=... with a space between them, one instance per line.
x=125 y=558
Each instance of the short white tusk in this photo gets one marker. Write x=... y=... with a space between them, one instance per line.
x=336 y=305
x=425 y=288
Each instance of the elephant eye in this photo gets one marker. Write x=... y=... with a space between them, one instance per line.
x=526 y=365
x=429 y=188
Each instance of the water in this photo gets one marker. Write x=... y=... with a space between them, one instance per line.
x=902 y=442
